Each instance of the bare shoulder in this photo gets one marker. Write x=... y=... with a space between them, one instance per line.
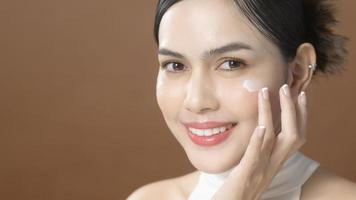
x=326 y=185
x=177 y=188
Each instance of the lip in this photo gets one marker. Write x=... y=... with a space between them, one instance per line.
x=207 y=125
x=212 y=140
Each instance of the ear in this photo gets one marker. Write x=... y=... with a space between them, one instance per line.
x=299 y=73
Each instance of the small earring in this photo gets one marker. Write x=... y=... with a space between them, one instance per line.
x=312 y=66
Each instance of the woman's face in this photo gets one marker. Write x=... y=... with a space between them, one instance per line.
x=202 y=82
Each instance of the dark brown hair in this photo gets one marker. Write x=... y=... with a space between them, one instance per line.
x=289 y=23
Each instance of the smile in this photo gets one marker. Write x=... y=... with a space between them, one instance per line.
x=210 y=133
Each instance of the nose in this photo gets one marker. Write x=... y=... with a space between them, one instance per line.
x=200 y=94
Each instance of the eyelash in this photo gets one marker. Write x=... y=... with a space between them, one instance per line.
x=240 y=62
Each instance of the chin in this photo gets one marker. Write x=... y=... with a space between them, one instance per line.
x=213 y=163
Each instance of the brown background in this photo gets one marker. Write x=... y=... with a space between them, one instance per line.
x=78 y=116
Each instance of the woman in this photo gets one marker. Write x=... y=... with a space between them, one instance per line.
x=231 y=88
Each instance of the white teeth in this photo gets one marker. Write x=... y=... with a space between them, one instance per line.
x=216 y=130
x=208 y=132
x=198 y=132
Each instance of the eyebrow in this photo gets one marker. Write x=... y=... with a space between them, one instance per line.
x=235 y=46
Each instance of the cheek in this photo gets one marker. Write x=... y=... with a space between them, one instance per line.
x=168 y=96
x=240 y=98
x=252 y=86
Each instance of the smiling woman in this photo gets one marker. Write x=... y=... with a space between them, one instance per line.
x=231 y=88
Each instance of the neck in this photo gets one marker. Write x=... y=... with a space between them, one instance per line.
x=216 y=179
x=291 y=175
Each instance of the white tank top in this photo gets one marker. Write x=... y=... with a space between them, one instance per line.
x=286 y=185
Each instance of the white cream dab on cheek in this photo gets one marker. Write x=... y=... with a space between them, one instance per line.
x=252 y=86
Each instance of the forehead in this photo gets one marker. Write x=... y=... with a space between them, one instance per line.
x=192 y=26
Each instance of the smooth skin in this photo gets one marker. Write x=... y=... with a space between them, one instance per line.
x=264 y=156
x=196 y=87
x=267 y=152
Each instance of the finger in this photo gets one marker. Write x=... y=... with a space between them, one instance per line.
x=289 y=138
x=288 y=113
x=302 y=114
x=265 y=119
x=251 y=157
x=240 y=176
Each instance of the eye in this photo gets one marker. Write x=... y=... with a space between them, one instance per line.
x=173 y=66
x=233 y=64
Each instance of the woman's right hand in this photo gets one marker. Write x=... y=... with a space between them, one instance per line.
x=267 y=152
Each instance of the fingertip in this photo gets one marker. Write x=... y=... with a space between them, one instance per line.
x=302 y=111
x=302 y=102
x=261 y=131
x=265 y=93
x=286 y=90
x=281 y=92
x=260 y=95
x=303 y=98
x=281 y=97
x=259 y=134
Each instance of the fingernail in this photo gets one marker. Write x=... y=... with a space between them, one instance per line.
x=261 y=131
x=286 y=90
x=303 y=98
x=265 y=93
